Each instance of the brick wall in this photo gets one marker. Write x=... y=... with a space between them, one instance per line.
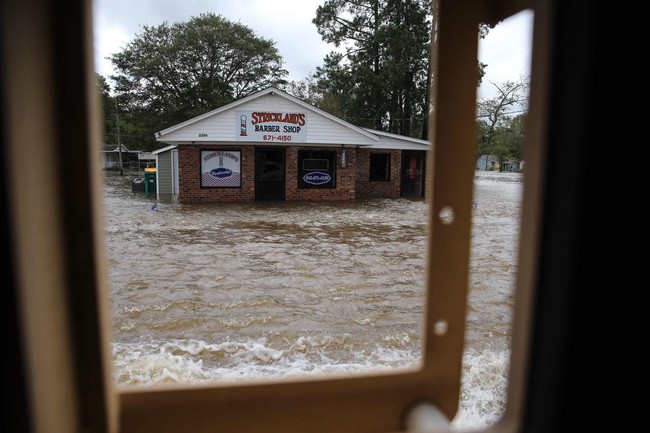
x=352 y=182
x=189 y=176
x=190 y=191
x=365 y=188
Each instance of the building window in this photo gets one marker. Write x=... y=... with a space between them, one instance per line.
x=316 y=169
x=380 y=167
x=315 y=164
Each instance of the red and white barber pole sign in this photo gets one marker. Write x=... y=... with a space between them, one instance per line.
x=271 y=126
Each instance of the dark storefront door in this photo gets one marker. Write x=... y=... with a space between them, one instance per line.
x=412 y=174
x=269 y=173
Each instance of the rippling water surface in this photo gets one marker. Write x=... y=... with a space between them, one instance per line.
x=222 y=292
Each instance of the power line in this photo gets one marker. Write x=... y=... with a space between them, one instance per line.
x=509 y=112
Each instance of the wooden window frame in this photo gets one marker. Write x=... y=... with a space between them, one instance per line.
x=51 y=141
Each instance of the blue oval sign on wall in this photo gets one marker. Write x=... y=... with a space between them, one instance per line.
x=317 y=178
x=221 y=172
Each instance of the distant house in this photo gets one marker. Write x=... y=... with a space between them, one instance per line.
x=131 y=159
x=146 y=158
x=513 y=166
x=491 y=163
x=487 y=163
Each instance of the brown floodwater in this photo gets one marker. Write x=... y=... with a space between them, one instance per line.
x=221 y=292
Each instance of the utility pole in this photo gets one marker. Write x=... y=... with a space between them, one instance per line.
x=119 y=142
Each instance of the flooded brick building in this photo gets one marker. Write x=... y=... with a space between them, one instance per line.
x=273 y=146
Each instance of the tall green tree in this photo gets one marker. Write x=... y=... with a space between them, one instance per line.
x=380 y=75
x=378 y=78
x=171 y=72
x=501 y=121
x=113 y=111
x=108 y=109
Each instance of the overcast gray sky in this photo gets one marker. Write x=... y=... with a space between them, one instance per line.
x=506 y=49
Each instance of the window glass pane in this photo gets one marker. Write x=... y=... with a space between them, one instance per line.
x=379 y=166
x=315 y=164
x=222 y=291
x=317 y=169
x=237 y=291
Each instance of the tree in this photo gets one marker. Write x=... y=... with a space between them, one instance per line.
x=501 y=121
x=169 y=73
x=108 y=108
x=483 y=30
x=379 y=80
x=127 y=133
x=304 y=89
x=380 y=76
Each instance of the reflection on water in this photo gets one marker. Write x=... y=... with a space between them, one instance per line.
x=218 y=292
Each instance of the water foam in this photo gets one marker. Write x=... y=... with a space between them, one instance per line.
x=195 y=361
x=483 y=388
